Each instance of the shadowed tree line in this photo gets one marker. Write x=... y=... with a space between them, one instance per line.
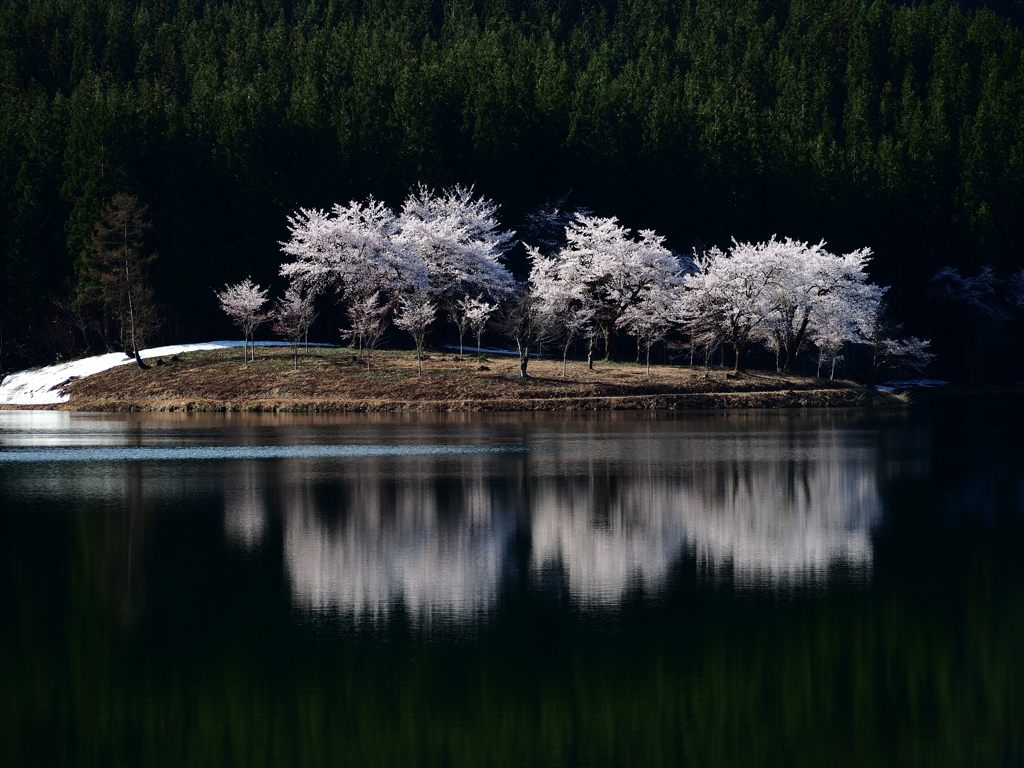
x=874 y=125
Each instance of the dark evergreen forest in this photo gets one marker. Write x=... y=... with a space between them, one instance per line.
x=898 y=127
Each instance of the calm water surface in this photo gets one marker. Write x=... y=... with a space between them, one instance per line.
x=744 y=589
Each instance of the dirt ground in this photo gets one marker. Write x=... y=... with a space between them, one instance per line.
x=335 y=379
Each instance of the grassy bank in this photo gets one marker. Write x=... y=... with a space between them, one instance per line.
x=336 y=380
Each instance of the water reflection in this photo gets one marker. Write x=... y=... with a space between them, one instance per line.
x=439 y=538
x=760 y=524
x=431 y=517
x=245 y=506
x=390 y=535
x=152 y=605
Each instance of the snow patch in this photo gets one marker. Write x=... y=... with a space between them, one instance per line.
x=44 y=386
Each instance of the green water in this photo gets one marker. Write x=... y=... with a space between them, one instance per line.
x=759 y=588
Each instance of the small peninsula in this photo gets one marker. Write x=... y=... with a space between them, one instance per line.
x=336 y=380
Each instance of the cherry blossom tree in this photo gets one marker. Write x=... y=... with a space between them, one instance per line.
x=353 y=249
x=788 y=299
x=811 y=285
x=700 y=317
x=706 y=338
x=649 y=320
x=610 y=268
x=368 y=318
x=293 y=315
x=982 y=303
x=315 y=248
x=456 y=237
x=979 y=296
x=781 y=293
x=829 y=338
x=461 y=314
x=848 y=314
x=447 y=244
x=416 y=313
x=477 y=312
x=908 y=355
x=730 y=291
x=1016 y=284
x=524 y=322
x=243 y=302
x=565 y=302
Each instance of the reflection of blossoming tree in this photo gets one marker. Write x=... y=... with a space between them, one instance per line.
x=438 y=536
x=401 y=545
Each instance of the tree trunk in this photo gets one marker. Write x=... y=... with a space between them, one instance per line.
x=797 y=340
x=128 y=290
x=741 y=363
x=524 y=357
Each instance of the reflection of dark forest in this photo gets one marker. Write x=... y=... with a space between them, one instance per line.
x=867 y=124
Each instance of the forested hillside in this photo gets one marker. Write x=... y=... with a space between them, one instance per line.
x=881 y=125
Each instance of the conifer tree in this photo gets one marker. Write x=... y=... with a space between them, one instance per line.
x=115 y=267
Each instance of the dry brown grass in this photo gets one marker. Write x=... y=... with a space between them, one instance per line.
x=330 y=379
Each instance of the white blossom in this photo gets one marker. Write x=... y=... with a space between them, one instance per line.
x=368 y=318
x=605 y=268
x=243 y=302
x=649 y=320
x=354 y=249
x=293 y=315
x=476 y=313
x=456 y=237
x=903 y=356
x=730 y=291
x=416 y=313
x=781 y=293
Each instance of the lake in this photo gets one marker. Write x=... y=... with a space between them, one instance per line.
x=749 y=588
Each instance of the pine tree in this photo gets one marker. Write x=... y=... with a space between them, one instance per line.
x=115 y=271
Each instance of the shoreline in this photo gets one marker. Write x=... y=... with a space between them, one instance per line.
x=823 y=398
x=334 y=380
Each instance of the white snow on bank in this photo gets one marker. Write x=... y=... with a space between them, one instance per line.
x=43 y=386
